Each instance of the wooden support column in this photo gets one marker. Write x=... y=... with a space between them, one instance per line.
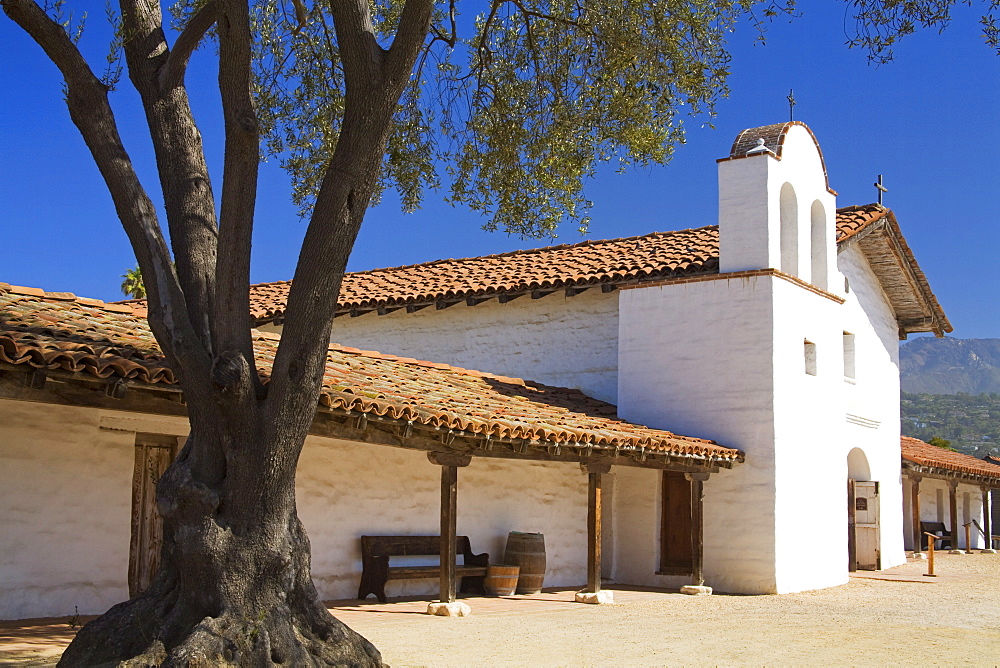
x=987 y=521
x=449 y=464
x=697 y=526
x=953 y=513
x=594 y=489
x=915 y=513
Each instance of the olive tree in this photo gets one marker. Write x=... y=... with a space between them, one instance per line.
x=509 y=106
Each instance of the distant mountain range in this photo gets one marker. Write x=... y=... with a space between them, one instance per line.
x=930 y=365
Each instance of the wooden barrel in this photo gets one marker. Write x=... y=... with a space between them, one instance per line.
x=501 y=580
x=527 y=550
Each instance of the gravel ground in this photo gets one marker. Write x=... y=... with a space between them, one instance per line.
x=952 y=619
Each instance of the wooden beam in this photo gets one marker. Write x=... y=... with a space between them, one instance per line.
x=697 y=526
x=442 y=304
x=574 y=291
x=413 y=308
x=915 y=512
x=503 y=299
x=608 y=287
x=449 y=532
x=987 y=519
x=594 y=490
x=953 y=512
x=475 y=301
x=852 y=549
x=449 y=459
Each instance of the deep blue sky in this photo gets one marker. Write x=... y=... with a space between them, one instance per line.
x=928 y=122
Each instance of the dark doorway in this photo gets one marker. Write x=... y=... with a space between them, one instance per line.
x=676 y=556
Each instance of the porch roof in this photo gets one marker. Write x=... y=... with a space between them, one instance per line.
x=62 y=335
x=923 y=457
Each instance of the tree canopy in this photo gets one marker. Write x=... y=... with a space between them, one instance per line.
x=508 y=104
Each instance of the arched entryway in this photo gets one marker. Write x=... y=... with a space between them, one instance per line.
x=863 y=537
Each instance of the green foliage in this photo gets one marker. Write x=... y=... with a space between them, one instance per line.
x=132 y=285
x=880 y=24
x=939 y=442
x=967 y=423
x=515 y=106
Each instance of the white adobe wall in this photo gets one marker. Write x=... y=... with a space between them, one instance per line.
x=64 y=530
x=556 y=340
x=695 y=359
x=934 y=507
x=346 y=490
x=872 y=400
x=67 y=481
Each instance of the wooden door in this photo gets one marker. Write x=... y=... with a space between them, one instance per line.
x=866 y=526
x=153 y=454
x=676 y=557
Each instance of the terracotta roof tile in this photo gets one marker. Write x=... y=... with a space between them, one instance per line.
x=613 y=261
x=86 y=336
x=917 y=451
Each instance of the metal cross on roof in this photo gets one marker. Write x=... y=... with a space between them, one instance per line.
x=881 y=188
x=791 y=104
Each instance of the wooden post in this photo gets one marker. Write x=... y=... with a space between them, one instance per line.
x=449 y=464
x=968 y=536
x=594 y=489
x=953 y=514
x=930 y=555
x=915 y=513
x=697 y=526
x=987 y=521
x=852 y=549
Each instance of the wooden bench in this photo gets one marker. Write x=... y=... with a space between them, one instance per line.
x=935 y=528
x=376 y=552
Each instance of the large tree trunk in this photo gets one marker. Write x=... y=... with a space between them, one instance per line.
x=234 y=585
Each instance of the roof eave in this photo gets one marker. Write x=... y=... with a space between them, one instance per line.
x=902 y=279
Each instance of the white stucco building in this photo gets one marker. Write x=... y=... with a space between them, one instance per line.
x=775 y=332
x=770 y=340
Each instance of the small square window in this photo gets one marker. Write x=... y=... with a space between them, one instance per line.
x=849 y=364
x=810 y=357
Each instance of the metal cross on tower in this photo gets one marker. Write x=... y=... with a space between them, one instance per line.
x=881 y=189
x=791 y=104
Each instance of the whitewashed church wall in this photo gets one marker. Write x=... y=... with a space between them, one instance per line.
x=872 y=399
x=64 y=530
x=556 y=340
x=810 y=452
x=346 y=490
x=695 y=358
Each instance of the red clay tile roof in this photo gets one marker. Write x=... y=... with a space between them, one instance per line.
x=917 y=451
x=611 y=262
x=61 y=332
x=990 y=459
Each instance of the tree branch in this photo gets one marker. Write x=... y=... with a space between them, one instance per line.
x=91 y=113
x=231 y=324
x=359 y=49
x=172 y=74
x=180 y=159
x=414 y=24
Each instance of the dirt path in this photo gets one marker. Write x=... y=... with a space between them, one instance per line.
x=953 y=619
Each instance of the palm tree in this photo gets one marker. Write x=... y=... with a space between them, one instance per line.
x=132 y=285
